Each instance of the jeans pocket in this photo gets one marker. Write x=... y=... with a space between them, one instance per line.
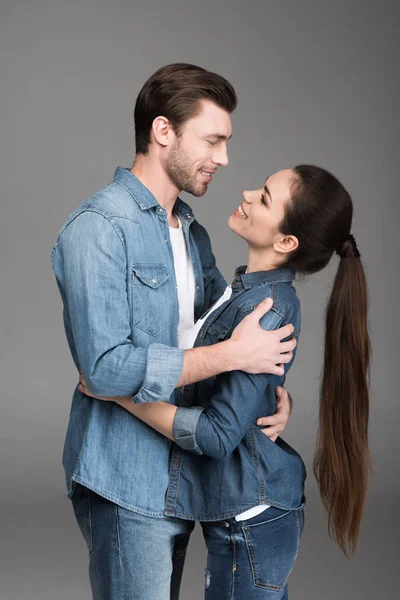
x=82 y=510
x=272 y=546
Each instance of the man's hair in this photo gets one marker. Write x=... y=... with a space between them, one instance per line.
x=174 y=92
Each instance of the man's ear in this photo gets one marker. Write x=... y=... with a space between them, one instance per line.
x=286 y=243
x=162 y=131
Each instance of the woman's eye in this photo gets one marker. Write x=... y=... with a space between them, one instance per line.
x=263 y=200
x=212 y=143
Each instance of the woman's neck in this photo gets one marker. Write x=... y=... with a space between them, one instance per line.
x=267 y=261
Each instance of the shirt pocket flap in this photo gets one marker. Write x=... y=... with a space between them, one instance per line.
x=153 y=275
x=219 y=330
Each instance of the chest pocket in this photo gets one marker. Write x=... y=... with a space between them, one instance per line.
x=152 y=303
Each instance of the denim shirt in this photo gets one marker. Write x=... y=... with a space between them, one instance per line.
x=114 y=267
x=227 y=464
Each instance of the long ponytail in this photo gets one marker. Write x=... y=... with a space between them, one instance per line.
x=341 y=461
x=320 y=215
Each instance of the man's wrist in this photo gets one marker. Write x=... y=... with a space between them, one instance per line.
x=231 y=355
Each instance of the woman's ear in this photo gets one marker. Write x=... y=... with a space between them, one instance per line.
x=286 y=243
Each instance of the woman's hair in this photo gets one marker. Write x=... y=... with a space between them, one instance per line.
x=319 y=214
x=175 y=91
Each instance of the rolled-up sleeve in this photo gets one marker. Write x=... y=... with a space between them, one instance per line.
x=163 y=370
x=184 y=428
x=90 y=265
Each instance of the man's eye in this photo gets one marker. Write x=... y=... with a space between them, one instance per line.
x=263 y=200
x=212 y=143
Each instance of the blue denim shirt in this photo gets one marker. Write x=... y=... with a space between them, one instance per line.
x=239 y=467
x=113 y=263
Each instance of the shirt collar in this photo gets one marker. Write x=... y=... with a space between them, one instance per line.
x=144 y=198
x=249 y=280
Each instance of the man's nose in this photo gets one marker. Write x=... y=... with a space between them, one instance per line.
x=221 y=156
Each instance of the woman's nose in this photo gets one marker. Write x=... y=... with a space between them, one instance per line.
x=246 y=197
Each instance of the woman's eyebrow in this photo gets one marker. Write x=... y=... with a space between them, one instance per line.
x=267 y=190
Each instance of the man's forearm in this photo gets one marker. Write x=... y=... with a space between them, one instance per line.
x=208 y=361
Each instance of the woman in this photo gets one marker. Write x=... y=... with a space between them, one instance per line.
x=246 y=490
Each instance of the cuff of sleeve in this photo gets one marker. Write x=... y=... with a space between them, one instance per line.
x=184 y=428
x=163 y=370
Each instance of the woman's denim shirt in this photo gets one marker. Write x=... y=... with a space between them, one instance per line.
x=239 y=466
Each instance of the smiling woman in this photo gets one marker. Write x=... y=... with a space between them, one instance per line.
x=257 y=219
x=224 y=471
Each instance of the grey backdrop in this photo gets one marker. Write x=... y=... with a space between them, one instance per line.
x=317 y=81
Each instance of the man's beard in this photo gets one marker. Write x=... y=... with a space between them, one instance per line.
x=178 y=169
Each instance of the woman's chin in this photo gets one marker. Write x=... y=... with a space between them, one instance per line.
x=232 y=223
x=235 y=227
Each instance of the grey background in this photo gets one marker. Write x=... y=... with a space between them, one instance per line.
x=317 y=81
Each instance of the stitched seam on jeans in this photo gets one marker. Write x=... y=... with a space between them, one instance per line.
x=233 y=563
x=121 y=562
x=269 y=520
x=298 y=545
x=90 y=519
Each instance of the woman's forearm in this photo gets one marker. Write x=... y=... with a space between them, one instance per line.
x=158 y=415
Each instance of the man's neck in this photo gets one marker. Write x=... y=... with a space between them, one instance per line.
x=150 y=172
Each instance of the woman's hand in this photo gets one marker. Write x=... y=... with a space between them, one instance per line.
x=275 y=424
x=82 y=387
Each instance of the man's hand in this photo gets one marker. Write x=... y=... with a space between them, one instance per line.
x=276 y=423
x=261 y=351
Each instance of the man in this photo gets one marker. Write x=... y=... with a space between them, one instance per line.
x=128 y=295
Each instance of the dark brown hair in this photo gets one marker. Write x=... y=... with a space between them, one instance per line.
x=320 y=214
x=175 y=91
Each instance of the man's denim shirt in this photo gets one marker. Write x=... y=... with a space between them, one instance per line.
x=240 y=467
x=114 y=267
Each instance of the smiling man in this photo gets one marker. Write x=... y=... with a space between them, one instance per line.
x=135 y=271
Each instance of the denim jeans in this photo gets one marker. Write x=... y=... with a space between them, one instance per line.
x=252 y=559
x=132 y=557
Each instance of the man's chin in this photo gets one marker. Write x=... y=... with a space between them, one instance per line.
x=198 y=191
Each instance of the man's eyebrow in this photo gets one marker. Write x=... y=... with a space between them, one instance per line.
x=218 y=136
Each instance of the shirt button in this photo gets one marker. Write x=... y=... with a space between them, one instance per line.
x=166 y=240
x=188 y=215
x=154 y=281
x=197 y=287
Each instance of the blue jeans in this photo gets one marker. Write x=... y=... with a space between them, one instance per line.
x=132 y=557
x=252 y=559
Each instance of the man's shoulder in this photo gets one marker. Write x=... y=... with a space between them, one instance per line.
x=113 y=200
x=110 y=202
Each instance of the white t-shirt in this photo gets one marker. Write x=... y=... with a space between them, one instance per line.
x=184 y=280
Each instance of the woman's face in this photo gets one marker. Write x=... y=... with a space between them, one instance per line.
x=258 y=216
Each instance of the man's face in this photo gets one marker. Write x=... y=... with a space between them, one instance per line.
x=199 y=149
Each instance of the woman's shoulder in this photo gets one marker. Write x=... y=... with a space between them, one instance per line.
x=283 y=294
